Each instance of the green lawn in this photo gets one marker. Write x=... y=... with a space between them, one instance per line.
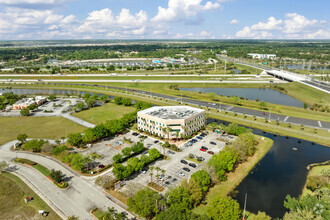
x=42 y=169
x=103 y=113
x=36 y=127
x=12 y=205
x=315 y=171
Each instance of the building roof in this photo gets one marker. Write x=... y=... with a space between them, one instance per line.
x=171 y=112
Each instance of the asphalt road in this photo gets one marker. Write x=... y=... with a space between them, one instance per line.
x=79 y=199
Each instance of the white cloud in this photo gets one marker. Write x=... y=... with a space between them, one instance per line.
x=105 y=22
x=201 y=35
x=234 y=21
x=184 y=11
x=271 y=24
x=293 y=26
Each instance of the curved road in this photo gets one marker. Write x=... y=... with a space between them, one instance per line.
x=79 y=199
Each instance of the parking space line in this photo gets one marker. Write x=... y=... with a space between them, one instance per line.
x=286 y=118
x=320 y=124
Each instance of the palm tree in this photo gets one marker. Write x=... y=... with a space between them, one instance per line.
x=177 y=135
x=157 y=176
x=157 y=170
x=151 y=174
x=164 y=130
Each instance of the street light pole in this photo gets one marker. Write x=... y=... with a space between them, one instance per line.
x=270 y=112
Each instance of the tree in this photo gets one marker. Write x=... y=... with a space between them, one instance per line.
x=211 y=95
x=25 y=112
x=52 y=98
x=179 y=197
x=305 y=105
x=137 y=148
x=127 y=101
x=104 y=98
x=81 y=105
x=260 y=216
x=202 y=178
x=75 y=139
x=154 y=154
x=34 y=145
x=56 y=175
x=3 y=165
x=236 y=100
x=87 y=95
x=73 y=217
x=126 y=151
x=195 y=191
x=144 y=203
x=59 y=149
x=118 y=158
x=33 y=106
x=263 y=104
x=224 y=208
x=89 y=136
x=22 y=138
x=118 y=100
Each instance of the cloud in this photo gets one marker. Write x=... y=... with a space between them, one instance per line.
x=201 y=35
x=234 y=21
x=105 y=22
x=293 y=26
x=184 y=11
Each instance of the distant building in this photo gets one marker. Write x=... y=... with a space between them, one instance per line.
x=25 y=102
x=182 y=119
x=262 y=56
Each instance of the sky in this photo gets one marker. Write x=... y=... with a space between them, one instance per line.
x=164 y=19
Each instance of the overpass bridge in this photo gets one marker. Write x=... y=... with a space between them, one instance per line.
x=284 y=75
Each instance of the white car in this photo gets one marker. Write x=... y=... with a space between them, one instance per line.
x=180 y=173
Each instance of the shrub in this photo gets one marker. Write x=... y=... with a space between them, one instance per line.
x=59 y=149
x=56 y=175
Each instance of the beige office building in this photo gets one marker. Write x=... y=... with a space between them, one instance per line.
x=171 y=120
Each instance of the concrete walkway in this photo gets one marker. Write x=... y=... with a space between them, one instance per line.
x=78 y=120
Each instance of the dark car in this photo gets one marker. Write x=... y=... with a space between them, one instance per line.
x=156 y=141
x=200 y=138
x=186 y=169
x=210 y=152
x=101 y=166
x=192 y=165
x=184 y=162
x=167 y=182
x=213 y=143
x=205 y=148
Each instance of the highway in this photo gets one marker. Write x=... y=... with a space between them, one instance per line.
x=79 y=199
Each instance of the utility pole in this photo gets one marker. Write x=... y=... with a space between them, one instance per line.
x=244 y=206
x=270 y=112
x=225 y=67
x=150 y=93
x=220 y=107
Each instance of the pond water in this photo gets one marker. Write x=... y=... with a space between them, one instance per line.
x=281 y=172
x=267 y=95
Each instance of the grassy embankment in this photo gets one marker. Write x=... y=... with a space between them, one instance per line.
x=240 y=172
x=103 y=113
x=322 y=136
x=12 y=206
x=297 y=90
x=36 y=127
x=314 y=171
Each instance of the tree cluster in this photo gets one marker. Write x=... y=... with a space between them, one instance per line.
x=134 y=164
x=127 y=152
x=9 y=98
x=109 y=128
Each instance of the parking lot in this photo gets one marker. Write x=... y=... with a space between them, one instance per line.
x=174 y=168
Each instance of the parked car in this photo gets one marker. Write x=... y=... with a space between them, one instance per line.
x=101 y=166
x=200 y=138
x=170 y=152
x=202 y=150
x=200 y=158
x=210 y=152
x=203 y=147
x=179 y=173
x=143 y=171
x=186 y=169
x=184 y=162
x=213 y=143
x=192 y=165
x=156 y=141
